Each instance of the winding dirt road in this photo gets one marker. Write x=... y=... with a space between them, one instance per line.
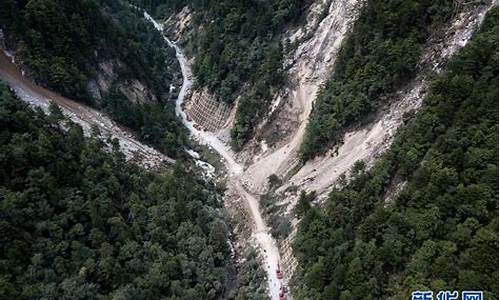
x=265 y=242
x=85 y=116
x=313 y=62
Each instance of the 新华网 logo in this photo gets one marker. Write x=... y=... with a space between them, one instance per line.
x=447 y=295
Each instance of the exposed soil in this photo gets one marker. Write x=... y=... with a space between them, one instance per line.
x=85 y=116
x=370 y=141
x=260 y=233
x=310 y=65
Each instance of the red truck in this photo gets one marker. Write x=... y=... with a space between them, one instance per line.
x=279 y=273
x=283 y=291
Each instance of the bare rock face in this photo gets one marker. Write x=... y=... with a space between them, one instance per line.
x=310 y=64
x=370 y=142
x=87 y=117
x=93 y=89
x=100 y=85
x=316 y=47
x=134 y=90
x=177 y=26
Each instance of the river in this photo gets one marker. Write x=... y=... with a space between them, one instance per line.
x=265 y=242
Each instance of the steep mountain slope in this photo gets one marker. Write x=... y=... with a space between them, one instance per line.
x=311 y=68
x=368 y=142
x=238 y=52
x=380 y=55
x=81 y=49
x=312 y=62
x=293 y=109
x=355 y=101
x=88 y=118
x=78 y=222
x=101 y=53
x=440 y=231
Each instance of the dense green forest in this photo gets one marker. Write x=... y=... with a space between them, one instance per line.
x=252 y=279
x=440 y=232
x=62 y=43
x=380 y=54
x=162 y=8
x=238 y=49
x=78 y=222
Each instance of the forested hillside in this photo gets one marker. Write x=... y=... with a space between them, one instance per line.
x=440 y=232
x=238 y=51
x=78 y=222
x=380 y=54
x=63 y=43
x=240 y=45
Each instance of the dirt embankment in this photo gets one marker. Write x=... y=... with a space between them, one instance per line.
x=260 y=233
x=85 y=116
x=311 y=64
x=313 y=61
x=369 y=142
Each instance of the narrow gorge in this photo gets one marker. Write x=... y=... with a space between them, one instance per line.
x=242 y=150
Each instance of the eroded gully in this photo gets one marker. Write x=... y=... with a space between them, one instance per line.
x=265 y=242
